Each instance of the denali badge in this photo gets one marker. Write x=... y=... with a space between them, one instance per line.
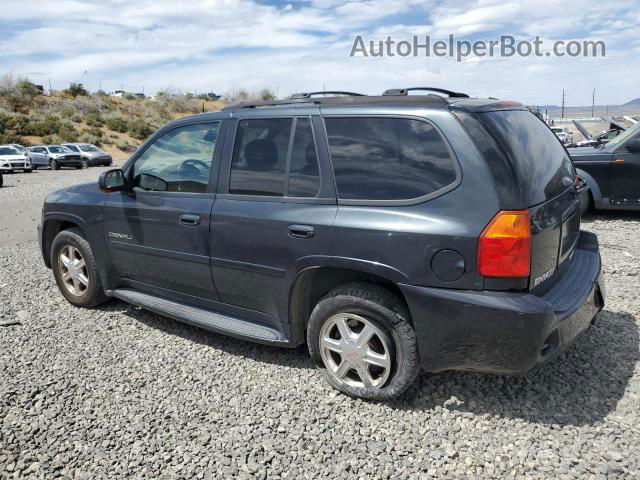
x=543 y=277
x=120 y=235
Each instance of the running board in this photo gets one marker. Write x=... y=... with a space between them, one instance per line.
x=199 y=317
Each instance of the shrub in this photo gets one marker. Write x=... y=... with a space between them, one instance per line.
x=76 y=89
x=15 y=122
x=140 y=129
x=94 y=132
x=10 y=136
x=86 y=137
x=52 y=139
x=116 y=122
x=94 y=120
x=76 y=119
x=49 y=125
x=125 y=146
x=27 y=88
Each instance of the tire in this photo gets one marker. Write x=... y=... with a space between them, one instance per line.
x=379 y=311
x=1 y=180
x=85 y=164
x=54 y=165
x=79 y=167
x=92 y=294
x=28 y=170
x=586 y=203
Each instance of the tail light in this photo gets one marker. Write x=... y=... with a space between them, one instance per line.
x=504 y=248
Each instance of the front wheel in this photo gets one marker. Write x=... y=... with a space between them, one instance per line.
x=360 y=337
x=75 y=269
x=85 y=164
x=54 y=165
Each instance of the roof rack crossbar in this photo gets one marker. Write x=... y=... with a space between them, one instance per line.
x=325 y=93
x=405 y=91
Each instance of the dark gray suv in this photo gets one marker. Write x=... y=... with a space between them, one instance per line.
x=390 y=233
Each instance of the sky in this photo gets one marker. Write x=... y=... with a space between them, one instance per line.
x=294 y=46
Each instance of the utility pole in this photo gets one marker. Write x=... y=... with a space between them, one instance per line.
x=593 y=103
x=562 y=115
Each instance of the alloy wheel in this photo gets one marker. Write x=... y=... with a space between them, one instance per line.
x=355 y=351
x=73 y=270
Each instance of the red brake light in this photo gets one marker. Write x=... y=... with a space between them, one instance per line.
x=504 y=248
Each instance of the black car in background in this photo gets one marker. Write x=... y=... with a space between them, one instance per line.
x=612 y=172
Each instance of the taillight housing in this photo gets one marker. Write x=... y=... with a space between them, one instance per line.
x=504 y=247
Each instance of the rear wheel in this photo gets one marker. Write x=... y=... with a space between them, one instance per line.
x=360 y=337
x=75 y=270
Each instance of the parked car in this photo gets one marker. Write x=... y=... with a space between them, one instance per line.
x=383 y=231
x=603 y=137
x=91 y=155
x=565 y=136
x=612 y=172
x=11 y=160
x=54 y=157
x=18 y=147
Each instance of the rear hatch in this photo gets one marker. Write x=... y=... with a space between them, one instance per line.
x=544 y=179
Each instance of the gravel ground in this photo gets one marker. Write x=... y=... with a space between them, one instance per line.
x=118 y=392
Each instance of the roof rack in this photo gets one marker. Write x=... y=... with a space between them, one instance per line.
x=325 y=93
x=405 y=91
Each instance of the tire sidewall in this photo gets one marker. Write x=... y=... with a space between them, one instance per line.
x=94 y=294
x=380 y=316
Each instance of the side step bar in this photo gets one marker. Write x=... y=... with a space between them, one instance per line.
x=199 y=317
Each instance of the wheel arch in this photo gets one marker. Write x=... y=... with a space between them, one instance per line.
x=312 y=283
x=52 y=226
x=594 y=188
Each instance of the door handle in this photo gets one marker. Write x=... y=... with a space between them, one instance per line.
x=302 y=231
x=189 y=220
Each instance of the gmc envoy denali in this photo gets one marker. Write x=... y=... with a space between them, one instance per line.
x=390 y=233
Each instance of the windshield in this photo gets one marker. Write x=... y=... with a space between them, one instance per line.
x=8 y=151
x=628 y=133
x=57 y=149
x=88 y=148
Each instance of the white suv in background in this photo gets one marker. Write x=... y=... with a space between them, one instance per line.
x=11 y=160
x=565 y=136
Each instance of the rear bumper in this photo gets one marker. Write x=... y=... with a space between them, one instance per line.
x=506 y=332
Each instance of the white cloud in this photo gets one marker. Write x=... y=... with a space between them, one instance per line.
x=214 y=45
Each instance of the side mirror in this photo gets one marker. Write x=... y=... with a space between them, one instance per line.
x=112 y=181
x=633 y=146
x=150 y=182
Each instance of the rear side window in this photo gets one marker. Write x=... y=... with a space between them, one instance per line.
x=537 y=157
x=388 y=158
x=304 y=176
x=260 y=157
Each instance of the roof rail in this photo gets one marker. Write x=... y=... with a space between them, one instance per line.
x=325 y=93
x=405 y=91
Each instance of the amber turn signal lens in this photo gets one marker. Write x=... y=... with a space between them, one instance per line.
x=504 y=247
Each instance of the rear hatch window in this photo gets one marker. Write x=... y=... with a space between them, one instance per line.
x=528 y=158
x=538 y=159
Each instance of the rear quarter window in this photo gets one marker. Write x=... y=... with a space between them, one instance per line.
x=378 y=159
x=538 y=159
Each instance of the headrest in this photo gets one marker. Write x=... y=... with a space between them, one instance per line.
x=261 y=154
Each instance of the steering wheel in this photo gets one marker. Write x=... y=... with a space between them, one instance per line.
x=195 y=163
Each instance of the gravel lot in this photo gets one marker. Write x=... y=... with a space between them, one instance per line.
x=122 y=393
